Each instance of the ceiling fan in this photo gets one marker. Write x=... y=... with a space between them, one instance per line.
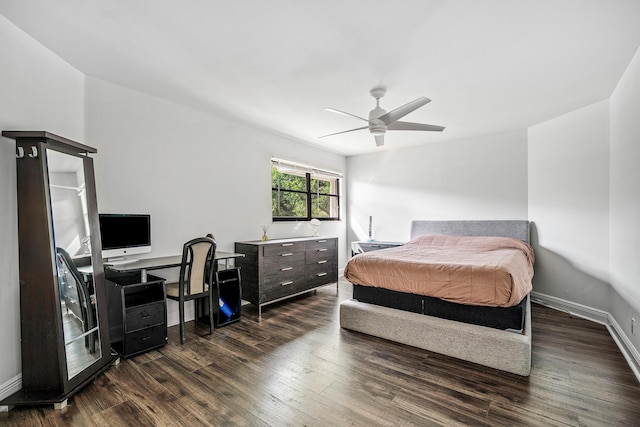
x=380 y=121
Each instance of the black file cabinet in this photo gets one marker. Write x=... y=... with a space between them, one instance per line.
x=137 y=312
x=230 y=292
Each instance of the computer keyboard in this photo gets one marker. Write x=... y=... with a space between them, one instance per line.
x=121 y=261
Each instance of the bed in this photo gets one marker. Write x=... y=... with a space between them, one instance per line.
x=491 y=332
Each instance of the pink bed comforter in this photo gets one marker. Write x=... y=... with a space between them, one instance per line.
x=487 y=271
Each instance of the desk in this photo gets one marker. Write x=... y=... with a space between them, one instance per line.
x=136 y=302
x=158 y=263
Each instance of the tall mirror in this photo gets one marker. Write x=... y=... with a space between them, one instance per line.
x=72 y=236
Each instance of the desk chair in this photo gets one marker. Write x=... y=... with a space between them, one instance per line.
x=76 y=295
x=196 y=280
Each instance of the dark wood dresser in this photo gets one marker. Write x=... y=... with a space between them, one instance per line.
x=277 y=269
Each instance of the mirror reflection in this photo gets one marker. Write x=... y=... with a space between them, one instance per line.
x=72 y=247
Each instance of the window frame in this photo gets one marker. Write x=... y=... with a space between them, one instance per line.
x=309 y=173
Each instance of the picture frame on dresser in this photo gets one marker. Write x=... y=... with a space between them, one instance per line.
x=278 y=269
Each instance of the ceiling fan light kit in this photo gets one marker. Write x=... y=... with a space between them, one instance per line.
x=380 y=121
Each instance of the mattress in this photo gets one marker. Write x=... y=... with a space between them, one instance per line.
x=470 y=270
x=505 y=318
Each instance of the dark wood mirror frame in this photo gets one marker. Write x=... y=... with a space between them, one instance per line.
x=45 y=377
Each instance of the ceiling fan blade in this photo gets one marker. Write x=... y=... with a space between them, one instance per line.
x=344 y=131
x=379 y=140
x=333 y=110
x=414 y=126
x=400 y=112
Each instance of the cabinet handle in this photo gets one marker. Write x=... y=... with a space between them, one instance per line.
x=321 y=274
x=322 y=250
x=287 y=283
x=287 y=244
x=322 y=241
x=322 y=262
x=286 y=268
x=287 y=254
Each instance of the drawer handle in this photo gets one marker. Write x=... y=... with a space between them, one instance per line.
x=322 y=241
x=322 y=262
x=286 y=269
x=287 y=283
x=147 y=338
x=287 y=254
x=322 y=250
x=287 y=244
x=145 y=316
x=321 y=274
x=374 y=246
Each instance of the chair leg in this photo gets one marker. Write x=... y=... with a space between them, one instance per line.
x=211 y=312
x=181 y=310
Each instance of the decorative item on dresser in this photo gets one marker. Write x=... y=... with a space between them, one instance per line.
x=277 y=269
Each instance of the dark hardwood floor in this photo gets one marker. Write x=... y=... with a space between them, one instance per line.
x=298 y=367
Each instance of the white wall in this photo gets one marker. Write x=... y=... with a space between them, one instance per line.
x=194 y=172
x=477 y=178
x=625 y=199
x=29 y=100
x=569 y=205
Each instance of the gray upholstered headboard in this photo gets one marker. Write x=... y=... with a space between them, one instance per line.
x=504 y=228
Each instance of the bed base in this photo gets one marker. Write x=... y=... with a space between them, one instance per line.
x=504 y=318
x=503 y=350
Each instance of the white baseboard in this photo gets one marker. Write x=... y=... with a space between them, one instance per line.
x=573 y=308
x=8 y=388
x=629 y=352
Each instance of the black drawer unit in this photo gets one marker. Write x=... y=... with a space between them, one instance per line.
x=230 y=293
x=137 y=312
x=273 y=270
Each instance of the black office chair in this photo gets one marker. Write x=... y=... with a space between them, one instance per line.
x=196 y=279
x=76 y=295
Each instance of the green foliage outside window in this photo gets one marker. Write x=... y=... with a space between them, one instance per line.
x=297 y=195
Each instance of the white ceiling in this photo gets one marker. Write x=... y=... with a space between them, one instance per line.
x=488 y=65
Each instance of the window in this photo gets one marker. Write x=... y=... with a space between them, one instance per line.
x=300 y=192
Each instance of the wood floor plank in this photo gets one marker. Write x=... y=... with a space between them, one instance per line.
x=296 y=366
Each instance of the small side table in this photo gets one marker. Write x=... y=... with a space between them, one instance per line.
x=361 y=246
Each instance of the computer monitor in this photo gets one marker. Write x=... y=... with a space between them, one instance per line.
x=124 y=235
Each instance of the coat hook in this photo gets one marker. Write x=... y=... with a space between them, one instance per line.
x=20 y=152
x=34 y=152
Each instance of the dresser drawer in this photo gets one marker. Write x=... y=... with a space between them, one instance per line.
x=276 y=278
x=321 y=280
x=321 y=254
x=281 y=288
x=327 y=269
x=145 y=339
x=143 y=316
x=286 y=260
x=276 y=249
x=321 y=243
